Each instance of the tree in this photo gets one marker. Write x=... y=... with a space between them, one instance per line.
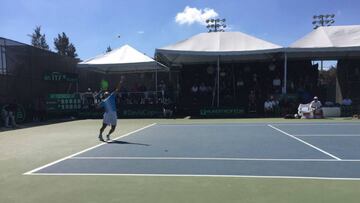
x=108 y=49
x=64 y=47
x=71 y=51
x=38 y=40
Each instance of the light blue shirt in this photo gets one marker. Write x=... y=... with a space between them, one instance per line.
x=109 y=103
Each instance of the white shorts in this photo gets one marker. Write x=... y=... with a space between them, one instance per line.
x=110 y=118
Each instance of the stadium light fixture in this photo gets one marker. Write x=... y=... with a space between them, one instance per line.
x=216 y=25
x=323 y=20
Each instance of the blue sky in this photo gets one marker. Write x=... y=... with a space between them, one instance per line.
x=92 y=25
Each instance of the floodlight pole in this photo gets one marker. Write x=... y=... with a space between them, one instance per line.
x=218 y=81
x=324 y=20
x=284 y=89
x=156 y=85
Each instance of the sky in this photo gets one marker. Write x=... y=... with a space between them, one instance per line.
x=93 y=25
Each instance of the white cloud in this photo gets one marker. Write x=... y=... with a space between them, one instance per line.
x=194 y=15
x=140 y=32
x=230 y=27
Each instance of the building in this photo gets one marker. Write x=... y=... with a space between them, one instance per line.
x=28 y=74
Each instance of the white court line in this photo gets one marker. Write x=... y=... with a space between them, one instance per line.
x=308 y=144
x=327 y=135
x=260 y=124
x=210 y=159
x=310 y=124
x=217 y=124
x=194 y=175
x=85 y=150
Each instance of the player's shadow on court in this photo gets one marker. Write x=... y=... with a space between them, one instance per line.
x=123 y=142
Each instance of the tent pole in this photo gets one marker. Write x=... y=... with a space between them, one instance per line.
x=218 y=81
x=284 y=90
x=156 y=86
x=234 y=84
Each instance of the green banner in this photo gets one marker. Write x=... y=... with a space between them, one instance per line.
x=150 y=112
x=210 y=112
x=58 y=76
x=127 y=112
x=63 y=102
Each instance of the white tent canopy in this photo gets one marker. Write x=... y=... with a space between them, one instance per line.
x=328 y=43
x=121 y=60
x=206 y=47
x=217 y=47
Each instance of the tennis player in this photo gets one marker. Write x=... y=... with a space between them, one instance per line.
x=110 y=116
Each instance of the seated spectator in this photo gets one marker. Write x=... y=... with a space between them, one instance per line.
x=8 y=116
x=275 y=104
x=346 y=107
x=240 y=83
x=168 y=108
x=194 y=89
x=347 y=101
x=255 y=78
x=252 y=102
x=316 y=105
x=277 y=84
x=268 y=107
x=194 y=93
x=142 y=100
x=89 y=101
x=162 y=86
x=202 y=88
x=209 y=89
x=5 y=116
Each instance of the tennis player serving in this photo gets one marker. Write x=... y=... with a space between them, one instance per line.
x=110 y=116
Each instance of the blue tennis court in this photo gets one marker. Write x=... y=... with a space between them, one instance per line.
x=282 y=150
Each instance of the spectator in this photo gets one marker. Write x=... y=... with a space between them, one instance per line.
x=275 y=102
x=42 y=109
x=162 y=86
x=88 y=100
x=202 y=88
x=268 y=107
x=316 y=105
x=240 y=90
x=209 y=89
x=346 y=109
x=168 y=108
x=346 y=101
x=277 y=84
x=8 y=115
x=36 y=109
x=194 y=92
x=252 y=102
x=194 y=89
x=240 y=83
x=5 y=116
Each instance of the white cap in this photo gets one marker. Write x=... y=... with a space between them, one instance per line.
x=315 y=97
